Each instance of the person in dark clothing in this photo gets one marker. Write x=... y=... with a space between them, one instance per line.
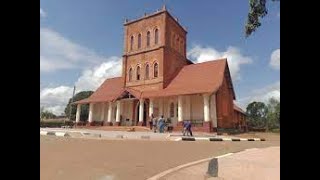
x=151 y=121
x=188 y=126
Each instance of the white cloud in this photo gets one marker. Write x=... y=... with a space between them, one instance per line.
x=91 y=79
x=235 y=59
x=275 y=59
x=261 y=95
x=55 y=99
x=42 y=13
x=58 y=52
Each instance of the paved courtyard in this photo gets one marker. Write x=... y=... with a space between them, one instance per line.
x=73 y=158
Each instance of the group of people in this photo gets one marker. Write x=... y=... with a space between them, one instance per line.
x=157 y=124
x=160 y=123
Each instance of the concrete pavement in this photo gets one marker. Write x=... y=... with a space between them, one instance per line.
x=251 y=164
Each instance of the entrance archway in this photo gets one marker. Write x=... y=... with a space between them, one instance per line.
x=145 y=113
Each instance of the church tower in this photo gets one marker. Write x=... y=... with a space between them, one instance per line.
x=154 y=51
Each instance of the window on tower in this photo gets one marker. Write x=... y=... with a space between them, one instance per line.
x=131 y=43
x=147 y=71
x=155 y=70
x=130 y=74
x=138 y=73
x=156 y=36
x=139 y=41
x=148 y=38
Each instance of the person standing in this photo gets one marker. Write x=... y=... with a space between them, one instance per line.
x=151 y=121
x=154 y=123
x=189 y=125
x=161 y=124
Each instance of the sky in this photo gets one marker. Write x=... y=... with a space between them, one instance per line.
x=81 y=44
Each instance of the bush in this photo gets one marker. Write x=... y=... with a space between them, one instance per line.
x=55 y=124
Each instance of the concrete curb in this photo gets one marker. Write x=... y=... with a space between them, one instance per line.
x=218 y=139
x=52 y=133
x=169 y=171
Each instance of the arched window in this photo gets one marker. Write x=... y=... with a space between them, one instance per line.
x=155 y=70
x=131 y=43
x=139 y=41
x=130 y=74
x=171 y=110
x=156 y=36
x=147 y=71
x=138 y=73
x=148 y=38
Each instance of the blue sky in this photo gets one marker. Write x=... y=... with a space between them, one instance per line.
x=82 y=41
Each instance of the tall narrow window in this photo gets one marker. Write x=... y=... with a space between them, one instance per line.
x=130 y=74
x=155 y=70
x=148 y=38
x=147 y=71
x=139 y=41
x=156 y=36
x=171 y=110
x=131 y=43
x=138 y=73
x=182 y=47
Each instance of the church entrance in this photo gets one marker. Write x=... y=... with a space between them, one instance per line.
x=137 y=112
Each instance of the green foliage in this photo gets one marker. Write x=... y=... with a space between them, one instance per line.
x=55 y=124
x=273 y=115
x=84 y=108
x=264 y=116
x=257 y=10
x=45 y=114
x=257 y=113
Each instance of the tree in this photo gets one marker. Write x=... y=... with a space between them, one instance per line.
x=45 y=114
x=84 y=108
x=257 y=113
x=257 y=10
x=273 y=116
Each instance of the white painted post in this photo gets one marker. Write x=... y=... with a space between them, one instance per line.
x=109 y=112
x=151 y=107
x=206 y=107
x=90 y=112
x=180 y=110
x=118 y=111
x=141 y=105
x=78 y=113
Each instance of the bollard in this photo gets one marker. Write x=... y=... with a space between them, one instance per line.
x=213 y=168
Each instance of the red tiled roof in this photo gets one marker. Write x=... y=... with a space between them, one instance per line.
x=206 y=77
x=108 y=91
x=237 y=108
x=203 y=77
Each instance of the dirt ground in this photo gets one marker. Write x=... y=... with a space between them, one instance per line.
x=71 y=158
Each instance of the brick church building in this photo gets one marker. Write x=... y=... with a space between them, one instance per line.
x=157 y=78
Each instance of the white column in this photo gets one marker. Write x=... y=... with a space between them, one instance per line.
x=206 y=107
x=141 y=104
x=118 y=111
x=180 y=111
x=102 y=111
x=151 y=107
x=160 y=107
x=187 y=109
x=214 y=111
x=110 y=112
x=90 y=112
x=78 y=113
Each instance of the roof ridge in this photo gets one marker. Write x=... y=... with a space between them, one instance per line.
x=221 y=59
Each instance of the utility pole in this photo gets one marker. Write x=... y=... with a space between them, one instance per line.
x=70 y=108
